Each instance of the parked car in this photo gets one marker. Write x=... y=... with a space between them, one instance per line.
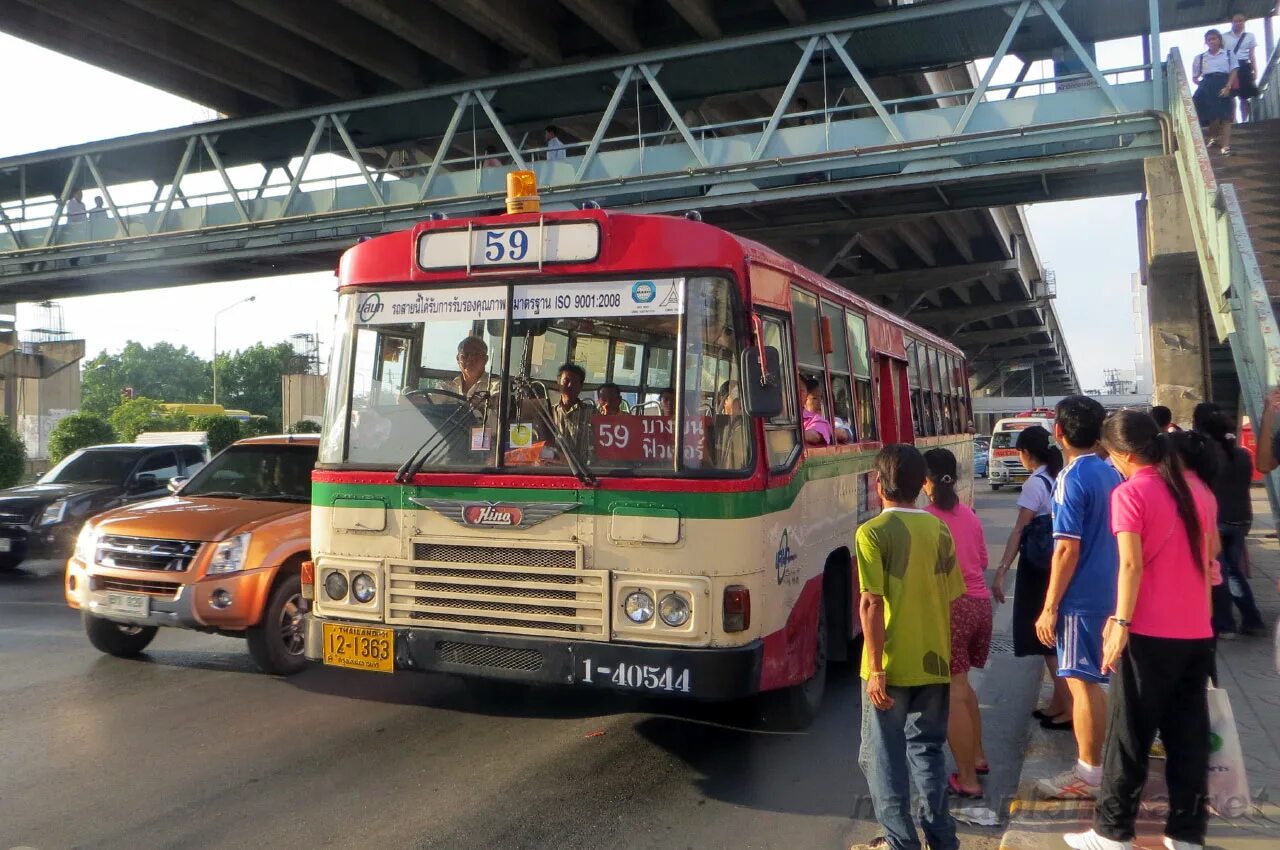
x=981 y=456
x=41 y=520
x=223 y=554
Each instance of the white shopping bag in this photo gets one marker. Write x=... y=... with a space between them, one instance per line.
x=1228 y=784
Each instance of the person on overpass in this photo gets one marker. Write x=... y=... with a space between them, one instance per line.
x=555 y=147
x=75 y=207
x=1241 y=45
x=1216 y=75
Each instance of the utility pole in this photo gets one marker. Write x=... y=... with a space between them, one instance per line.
x=215 y=340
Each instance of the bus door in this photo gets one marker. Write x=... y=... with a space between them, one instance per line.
x=895 y=413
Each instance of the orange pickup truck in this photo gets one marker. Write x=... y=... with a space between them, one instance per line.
x=222 y=554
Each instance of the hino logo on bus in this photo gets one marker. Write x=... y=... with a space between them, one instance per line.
x=495 y=514
x=489 y=513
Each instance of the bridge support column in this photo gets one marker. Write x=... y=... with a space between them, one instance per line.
x=1180 y=364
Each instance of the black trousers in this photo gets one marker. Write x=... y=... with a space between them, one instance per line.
x=1159 y=685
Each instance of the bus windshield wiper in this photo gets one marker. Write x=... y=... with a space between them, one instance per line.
x=418 y=459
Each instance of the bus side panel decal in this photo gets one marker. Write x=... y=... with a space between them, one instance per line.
x=788 y=652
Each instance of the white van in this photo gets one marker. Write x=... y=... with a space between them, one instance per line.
x=1003 y=465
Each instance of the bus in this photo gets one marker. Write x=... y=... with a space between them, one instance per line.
x=475 y=512
x=1004 y=467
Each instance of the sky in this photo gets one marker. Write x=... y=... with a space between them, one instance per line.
x=1091 y=245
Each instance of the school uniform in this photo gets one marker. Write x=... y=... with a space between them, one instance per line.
x=1239 y=46
x=1214 y=69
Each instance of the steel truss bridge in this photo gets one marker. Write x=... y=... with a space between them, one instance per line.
x=867 y=147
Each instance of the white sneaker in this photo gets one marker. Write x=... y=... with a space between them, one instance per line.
x=1067 y=785
x=1174 y=844
x=1091 y=840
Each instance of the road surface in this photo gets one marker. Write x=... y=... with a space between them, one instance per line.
x=191 y=747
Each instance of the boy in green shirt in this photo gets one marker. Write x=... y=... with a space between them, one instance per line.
x=908 y=574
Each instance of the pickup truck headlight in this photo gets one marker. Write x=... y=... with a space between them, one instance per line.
x=86 y=543
x=53 y=512
x=229 y=555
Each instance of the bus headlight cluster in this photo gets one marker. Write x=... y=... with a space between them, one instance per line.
x=638 y=606
x=672 y=609
x=361 y=587
x=335 y=586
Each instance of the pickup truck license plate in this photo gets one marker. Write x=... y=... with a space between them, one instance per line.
x=6 y=545
x=128 y=604
x=359 y=647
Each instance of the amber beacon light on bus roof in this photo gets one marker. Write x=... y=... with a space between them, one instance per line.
x=522 y=193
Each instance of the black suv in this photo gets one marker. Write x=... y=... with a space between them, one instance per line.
x=42 y=520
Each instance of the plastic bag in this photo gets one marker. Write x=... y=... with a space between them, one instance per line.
x=1228 y=784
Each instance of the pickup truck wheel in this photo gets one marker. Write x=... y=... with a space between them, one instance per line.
x=118 y=639
x=276 y=643
x=9 y=563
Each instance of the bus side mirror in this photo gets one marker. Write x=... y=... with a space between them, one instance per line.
x=762 y=383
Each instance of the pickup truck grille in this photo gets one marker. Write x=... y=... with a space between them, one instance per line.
x=158 y=589
x=501 y=589
x=145 y=553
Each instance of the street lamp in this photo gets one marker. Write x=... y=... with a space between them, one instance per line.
x=215 y=340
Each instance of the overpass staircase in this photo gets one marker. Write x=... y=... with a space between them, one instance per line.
x=1254 y=169
x=1234 y=208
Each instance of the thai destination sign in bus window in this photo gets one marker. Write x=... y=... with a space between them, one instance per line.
x=441 y=379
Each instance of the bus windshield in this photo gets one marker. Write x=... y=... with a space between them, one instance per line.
x=618 y=377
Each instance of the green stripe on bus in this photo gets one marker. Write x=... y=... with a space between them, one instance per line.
x=602 y=502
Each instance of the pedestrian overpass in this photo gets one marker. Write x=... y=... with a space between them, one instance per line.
x=867 y=146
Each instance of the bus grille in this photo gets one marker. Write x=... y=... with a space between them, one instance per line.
x=496 y=657
x=499 y=589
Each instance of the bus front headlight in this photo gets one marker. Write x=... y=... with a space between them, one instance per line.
x=638 y=607
x=363 y=588
x=674 y=610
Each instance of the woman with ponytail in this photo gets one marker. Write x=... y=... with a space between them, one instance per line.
x=1159 y=642
x=971 y=617
x=1031 y=543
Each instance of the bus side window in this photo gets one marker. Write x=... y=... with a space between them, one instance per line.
x=781 y=432
x=841 y=385
x=864 y=403
x=918 y=413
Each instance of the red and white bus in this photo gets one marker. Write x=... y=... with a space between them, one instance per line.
x=686 y=542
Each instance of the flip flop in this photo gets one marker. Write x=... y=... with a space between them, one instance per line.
x=953 y=784
x=1053 y=726
x=982 y=769
x=1041 y=714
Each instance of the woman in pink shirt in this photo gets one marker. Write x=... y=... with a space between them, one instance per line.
x=1159 y=643
x=971 y=617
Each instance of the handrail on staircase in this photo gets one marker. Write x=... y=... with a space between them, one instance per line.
x=1267 y=102
x=1237 y=294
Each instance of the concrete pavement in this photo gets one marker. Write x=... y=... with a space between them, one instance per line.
x=1247 y=670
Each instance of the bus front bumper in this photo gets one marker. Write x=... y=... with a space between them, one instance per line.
x=704 y=673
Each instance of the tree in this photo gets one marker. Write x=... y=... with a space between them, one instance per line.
x=304 y=426
x=77 y=431
x=250 y=379
x=13 y=456
x=221 y=431
x=162 y=371
x=135 y=415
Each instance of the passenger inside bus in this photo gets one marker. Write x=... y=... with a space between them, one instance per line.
x=667 y=402
x=730 y=428
x=572 y=415
x=609 y=399
x=817 y=428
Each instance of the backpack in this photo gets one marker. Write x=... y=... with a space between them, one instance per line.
x=1035 y=550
